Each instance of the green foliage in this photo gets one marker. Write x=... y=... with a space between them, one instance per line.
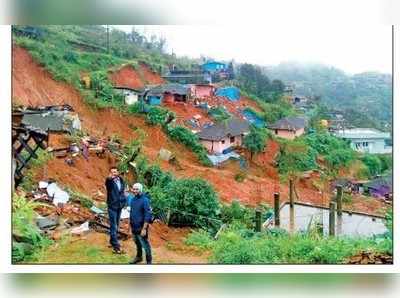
x=340 y=158
x=157 y=116
x=255 y=140
x=386 y=162
x=373 y=163
x=233 y=247
x=189 y=139
x=28 y=182
x=188 y=197
x=30 y=240
x=219 y=114
x=357 y=95
x=295 y=156
x=200 y=239
x=252 y=80
x=241 y=176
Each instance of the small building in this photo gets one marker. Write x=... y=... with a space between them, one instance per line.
x=221 y=137
x=366 y=140
x=167 y=93
x=213 y=66
x=289 y=127
x=231 y=93
x=202 y=90
x=130 y=95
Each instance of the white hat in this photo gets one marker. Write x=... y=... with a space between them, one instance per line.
x=139 y=186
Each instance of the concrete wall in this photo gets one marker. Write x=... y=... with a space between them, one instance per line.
x=288 y=134
x=216 y=147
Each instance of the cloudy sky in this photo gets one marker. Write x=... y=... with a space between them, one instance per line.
x=351 y=48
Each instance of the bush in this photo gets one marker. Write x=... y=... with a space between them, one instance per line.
x=373 y=164
x=192 y=201
x=296 y=156
x=201 y=239
x=219 y=114
x=255 y=140
x=29 y=240
x=239 y=177
x=185 y=136
x=157 y=116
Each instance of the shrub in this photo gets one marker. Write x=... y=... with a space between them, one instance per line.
x=201 y=239
x=157 y=116
x=373 y=164
x=193 y=201
x=219 y=114
x=29 y=240
x=255 y=140
x=185 y=136
x=239 y=177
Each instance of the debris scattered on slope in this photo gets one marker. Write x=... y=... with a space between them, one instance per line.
x=370 y=258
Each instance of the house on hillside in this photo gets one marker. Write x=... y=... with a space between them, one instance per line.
x=366 y=140
x=231 y=93
x=167 y=93
x=53 y=120
x=213 y=66
x=289 y=127
x=202 y=90
x=130 y=95
x=221 y=137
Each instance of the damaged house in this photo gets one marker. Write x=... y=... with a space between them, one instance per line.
x=289 y=127
x=168 y=93
x=202 y=90
x=220 y=138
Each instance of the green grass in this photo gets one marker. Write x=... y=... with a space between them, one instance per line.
x=68 y=251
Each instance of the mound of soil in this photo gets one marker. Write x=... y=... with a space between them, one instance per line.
x=127 y=76
x=150 y=77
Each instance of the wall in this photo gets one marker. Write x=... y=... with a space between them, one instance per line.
x=217 y=147
x=203 y=91
x=287 y=134
x=131 y=98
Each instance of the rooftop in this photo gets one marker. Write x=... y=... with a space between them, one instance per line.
x=218 y=131
x=289 y=123
x=362 y=133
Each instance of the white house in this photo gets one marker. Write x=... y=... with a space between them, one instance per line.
x=130 y=95
x=366 y=140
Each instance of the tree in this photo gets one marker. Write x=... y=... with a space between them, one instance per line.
x=373 y=164
x=255 y=141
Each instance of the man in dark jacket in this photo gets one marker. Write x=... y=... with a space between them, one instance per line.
x=140 y=218
x=115 y=202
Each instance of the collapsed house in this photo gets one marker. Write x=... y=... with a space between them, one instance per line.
x=289 y=127
x=202 y=90
x=220 y=138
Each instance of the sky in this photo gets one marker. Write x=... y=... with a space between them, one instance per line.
x=353 y=49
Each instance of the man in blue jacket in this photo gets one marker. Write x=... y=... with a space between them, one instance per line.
x=140 y=218
x=115 y=202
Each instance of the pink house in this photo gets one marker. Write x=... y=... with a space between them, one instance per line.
x=289 y=127
x=222 y=136
x=202 y=90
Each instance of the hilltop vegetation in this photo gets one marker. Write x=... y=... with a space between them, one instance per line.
x=366 y=98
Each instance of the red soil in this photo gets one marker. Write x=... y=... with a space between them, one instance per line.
x=186 y=111
x=32 y=85
x=127 y=76
x=149 y=76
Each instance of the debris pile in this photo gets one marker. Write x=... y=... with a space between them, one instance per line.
x=370 y=258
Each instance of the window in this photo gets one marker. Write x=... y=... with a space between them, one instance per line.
x=232 y=139
x=365 y=144
x=276 y=131
x=223 y=141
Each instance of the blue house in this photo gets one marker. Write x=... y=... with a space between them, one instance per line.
x=213 y=66
x=231 y=93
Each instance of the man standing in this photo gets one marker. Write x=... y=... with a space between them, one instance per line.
x=115 y=202
x=140 y=218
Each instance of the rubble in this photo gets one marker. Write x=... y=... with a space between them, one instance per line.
x=366 y=257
